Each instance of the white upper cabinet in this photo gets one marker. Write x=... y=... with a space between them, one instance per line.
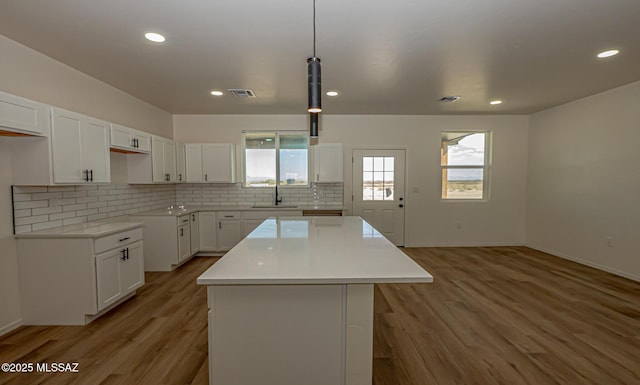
x=79 y=147
x=181 y=163
x=159 y=167
x=75 y=152
x=19 y=116
x=211 y=163
x=327 y=162
x=128 y=140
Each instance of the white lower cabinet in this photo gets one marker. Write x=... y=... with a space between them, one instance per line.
x=167 y=240
x=184 y=242
x=208 y=232
x=71 y=279
x=229 y=231
x=118 y=272
x=194 y=229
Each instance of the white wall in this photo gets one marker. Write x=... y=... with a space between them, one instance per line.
x=27 y=73
x=430 y=222
x=584 y=181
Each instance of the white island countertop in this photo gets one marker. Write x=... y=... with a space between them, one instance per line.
x=314 y=250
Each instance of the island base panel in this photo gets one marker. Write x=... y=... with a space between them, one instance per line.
x=290 y=334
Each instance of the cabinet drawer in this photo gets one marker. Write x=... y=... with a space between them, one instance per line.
x=184 y=220
x=228 y=215
x=115 y=240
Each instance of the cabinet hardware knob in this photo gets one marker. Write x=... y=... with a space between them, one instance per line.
x=401 y=205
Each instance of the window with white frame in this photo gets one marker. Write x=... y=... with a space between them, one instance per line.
x=276 y=159
x=465 y=165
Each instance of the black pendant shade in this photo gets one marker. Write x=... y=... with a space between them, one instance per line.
x=313 y=128
x=315 y=91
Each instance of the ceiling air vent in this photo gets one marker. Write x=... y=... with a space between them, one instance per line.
x=242 y=92
x=449 y=99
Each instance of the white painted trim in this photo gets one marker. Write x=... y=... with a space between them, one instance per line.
x=11 y=327
x=585 y=262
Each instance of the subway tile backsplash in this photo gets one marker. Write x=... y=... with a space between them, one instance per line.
x=43 y=207
x=232 y=194
x=38 y=208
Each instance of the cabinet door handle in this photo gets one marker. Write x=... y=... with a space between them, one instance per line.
x=317 y=177
x=91 y=173
x=133 y=142
x=220 y=225
x=228 y=216
x=182 y=232
x=127 y=253
x=167 y=177
x=206 y=177
x=180 y=177
x=123 y=239
x=124 y=255
x=136 y=140
x=193 y=217
x=85 y=175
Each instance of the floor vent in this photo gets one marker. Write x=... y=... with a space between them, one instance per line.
x=242 y=92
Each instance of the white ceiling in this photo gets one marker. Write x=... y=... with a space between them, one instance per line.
x=385 y=57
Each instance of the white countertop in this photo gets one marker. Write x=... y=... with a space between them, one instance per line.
x=314 y=250
x=184 y=210
x=82 y=230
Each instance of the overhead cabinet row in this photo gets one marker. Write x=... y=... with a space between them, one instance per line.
x=63 y=147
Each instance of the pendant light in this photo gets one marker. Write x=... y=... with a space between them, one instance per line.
x=313 y=66
x=313 y=129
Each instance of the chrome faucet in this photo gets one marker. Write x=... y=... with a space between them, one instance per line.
x=278 y=200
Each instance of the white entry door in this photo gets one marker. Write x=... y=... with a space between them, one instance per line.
x=378 y=191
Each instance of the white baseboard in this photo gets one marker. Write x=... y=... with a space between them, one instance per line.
x=586 y=263
x=464 y=244
x=10 y=327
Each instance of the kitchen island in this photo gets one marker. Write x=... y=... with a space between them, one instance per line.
x=292 y=303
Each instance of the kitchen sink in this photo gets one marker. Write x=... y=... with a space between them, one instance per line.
x=274 y=206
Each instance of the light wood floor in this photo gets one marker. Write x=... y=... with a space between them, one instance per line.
x=507 y=315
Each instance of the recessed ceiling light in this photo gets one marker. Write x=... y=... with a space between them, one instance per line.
x=332 y=93
x=495 y=102
x=154 y=37
x=609 y=53
x=217 y=93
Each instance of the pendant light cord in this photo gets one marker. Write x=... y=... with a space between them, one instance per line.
x=314 y=28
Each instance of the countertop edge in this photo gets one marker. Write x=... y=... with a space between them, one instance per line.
x=190 y=210
x=309 y=281
x=50 y=233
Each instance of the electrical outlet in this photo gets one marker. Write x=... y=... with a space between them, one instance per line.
x=609 y=242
